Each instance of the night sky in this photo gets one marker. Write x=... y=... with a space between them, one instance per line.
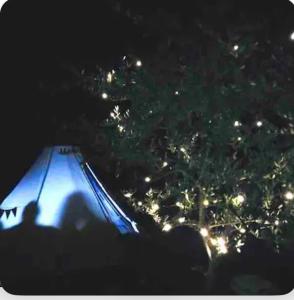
x=43 y=44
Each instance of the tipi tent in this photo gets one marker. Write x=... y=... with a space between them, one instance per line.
x=66 y=190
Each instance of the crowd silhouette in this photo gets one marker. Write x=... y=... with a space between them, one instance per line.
x=93 y=258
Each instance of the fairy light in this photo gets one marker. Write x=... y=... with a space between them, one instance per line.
x=204 y=232
x=140 y=203
x=259 y=123
x=128 y=195
x=109 y=77
x=165 y=164
x=237 y=124
x=206 y=203
x=182 y=220
x=180 y=205
x=120 y=128
x=289 y=195
x=277 y=222
x=236 y=48
x=104 y=96
x=182 y=149
x=239 y=139
x=138 y=63
x=155 y=207
x=177 y=93
x=167 y=227
x=238 y=200
x=221 y=245
x=147 y=179
x=243 y=230
x=213 y=242
x=292 y=36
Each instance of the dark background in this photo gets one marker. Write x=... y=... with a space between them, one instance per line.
x=45 y=45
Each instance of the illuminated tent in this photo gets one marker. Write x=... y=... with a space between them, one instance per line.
x=67 y=192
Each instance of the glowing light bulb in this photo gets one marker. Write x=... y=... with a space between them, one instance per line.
x=182 y=220
x=292 y=36
x=221 y=245
x=289 y=195
x=204 y=232
x=237 y=124
x=177 y=93
x=236 y=47
x=165 y=164
x=180 y=205
x=240 y=198
x=239 y=139
x=259 y=123
x=138 y=63
x=140 y=203
x=147 y=179
x=104 y=96
x=242 y=230
x=120 y=128
x=167 y=227
x=109 y=77
x=128 y=195
x=277 y=222
x=206 y=203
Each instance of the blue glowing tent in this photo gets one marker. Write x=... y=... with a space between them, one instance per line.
x=67 y=192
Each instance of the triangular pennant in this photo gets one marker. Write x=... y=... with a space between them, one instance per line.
x=7 y=213
x=14 y=211
x=1 y=213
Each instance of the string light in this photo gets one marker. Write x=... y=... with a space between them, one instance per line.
x=221 y=245
x=138 y=63
x=120 y=128
x=206 y=203
x=165 y=164
x=259 y=123
x=140 y=203
x=155 y=207
x=128 y=195
x=182 y=220
x=237 y=124
x=147 y=179
x=242 y=230
x=236 y=48
x=204 y=232
x=277 y=222
x=177 y=93
x=238 y=200
x=239 y=139
x=180 y=205
x=167 y=227
x=109 y=77
x=182 y=149
x=289 y=195
x=104 y=96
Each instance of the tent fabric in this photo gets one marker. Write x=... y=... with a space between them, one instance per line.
x=67 y=191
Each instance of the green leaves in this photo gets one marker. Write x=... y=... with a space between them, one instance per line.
x=216 y=131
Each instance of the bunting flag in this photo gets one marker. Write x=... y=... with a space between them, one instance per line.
x=8 y=212
x=14 y=211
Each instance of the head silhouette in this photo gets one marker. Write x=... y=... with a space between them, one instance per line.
x=30 y=213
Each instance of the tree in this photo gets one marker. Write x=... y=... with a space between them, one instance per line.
x=214 y=150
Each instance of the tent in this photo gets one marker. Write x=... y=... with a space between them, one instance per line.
x=67 y=192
